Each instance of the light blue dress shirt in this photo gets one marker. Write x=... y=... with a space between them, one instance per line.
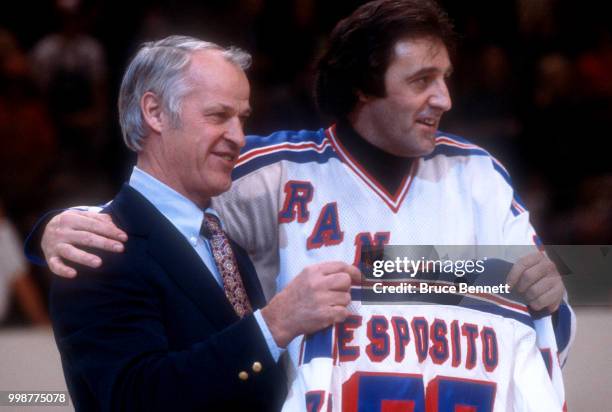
x=187 y=218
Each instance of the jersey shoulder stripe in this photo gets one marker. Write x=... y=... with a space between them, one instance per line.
x=451 y=145
x=283 y=136
x=299 y=147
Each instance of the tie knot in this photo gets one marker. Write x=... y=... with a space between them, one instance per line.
x=210 y=226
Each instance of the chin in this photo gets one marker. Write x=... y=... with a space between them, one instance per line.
x=218 y=184
x=422 y=148
x=427 y=143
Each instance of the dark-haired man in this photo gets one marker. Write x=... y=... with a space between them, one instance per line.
x=382 y=174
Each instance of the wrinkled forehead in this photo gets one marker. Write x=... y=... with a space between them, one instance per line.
x=212 y=71
x=212 y=63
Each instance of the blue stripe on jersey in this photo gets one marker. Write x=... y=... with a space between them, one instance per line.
x=508 y=180
x=283 y=136
x=448 y=299
x=305 y=156
x=563 y=328
x=454 y=137
x=318 y=345
x=518 y=200
x=450 y=151
x=502 y=172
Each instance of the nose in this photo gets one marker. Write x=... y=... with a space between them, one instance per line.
x=440 y=98
x=235 y=133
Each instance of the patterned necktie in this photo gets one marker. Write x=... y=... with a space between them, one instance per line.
x=226 y=264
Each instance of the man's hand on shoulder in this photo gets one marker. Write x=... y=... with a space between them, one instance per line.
x=315 y=299
x=537 y=279
x=72 y=229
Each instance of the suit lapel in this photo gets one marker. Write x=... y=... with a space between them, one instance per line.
x=172 y=251
x=182 y=263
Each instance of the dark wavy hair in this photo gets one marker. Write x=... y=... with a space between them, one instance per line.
x=360 y=48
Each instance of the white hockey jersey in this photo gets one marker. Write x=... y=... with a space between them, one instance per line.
x=477 y=354
x=299 y=198
x=422 y=358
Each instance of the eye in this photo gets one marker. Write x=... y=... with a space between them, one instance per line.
x=421 y=83
x=217 y=117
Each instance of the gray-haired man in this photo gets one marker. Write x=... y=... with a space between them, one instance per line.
x=178 y=321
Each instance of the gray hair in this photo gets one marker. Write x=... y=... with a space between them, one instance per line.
x=160 y=67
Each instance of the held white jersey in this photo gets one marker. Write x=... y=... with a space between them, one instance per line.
x=299 y=198
x=423 y=358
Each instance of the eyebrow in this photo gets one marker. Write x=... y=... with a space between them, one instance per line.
x=225 y=108
x=431 y=70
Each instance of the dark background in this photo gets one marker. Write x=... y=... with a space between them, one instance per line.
x=532 y=84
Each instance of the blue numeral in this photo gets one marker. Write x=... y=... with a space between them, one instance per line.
x=377 y=392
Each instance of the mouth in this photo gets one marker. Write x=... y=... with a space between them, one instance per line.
x=228 y=157
x=430 y=122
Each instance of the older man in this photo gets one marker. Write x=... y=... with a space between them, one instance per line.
x=178 y=321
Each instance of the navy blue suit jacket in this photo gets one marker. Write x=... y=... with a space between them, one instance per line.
x=151 y=330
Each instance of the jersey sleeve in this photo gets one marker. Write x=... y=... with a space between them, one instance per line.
x=532 y=387
x=517 y=230
x=249 y=214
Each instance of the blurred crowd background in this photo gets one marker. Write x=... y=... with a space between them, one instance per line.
x=532 y=84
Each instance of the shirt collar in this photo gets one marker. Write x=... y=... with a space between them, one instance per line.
x=185 y=215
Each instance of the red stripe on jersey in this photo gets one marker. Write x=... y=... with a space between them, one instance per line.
x=281 y=147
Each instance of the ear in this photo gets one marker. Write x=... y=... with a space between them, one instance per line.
x=151 y=109
x=362 y=97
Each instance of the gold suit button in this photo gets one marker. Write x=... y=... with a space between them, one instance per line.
x=256 y=367
x=243 y=376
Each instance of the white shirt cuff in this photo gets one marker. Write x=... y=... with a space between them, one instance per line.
x=275 y=351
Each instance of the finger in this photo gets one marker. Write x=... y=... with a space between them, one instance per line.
x=339 y=314
x=521 y=266
x=550 y=300
x=529 y=277
x=86 y=213
x=94 y=241
x=101 y=216
x=79 y=256
x=355 y=274
x=335 y=298
x=328 y=268
x=338 y=282
x=82 y=221
x=538 y=289
x=59 y=268
x=105 y=217
x=558 y=294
